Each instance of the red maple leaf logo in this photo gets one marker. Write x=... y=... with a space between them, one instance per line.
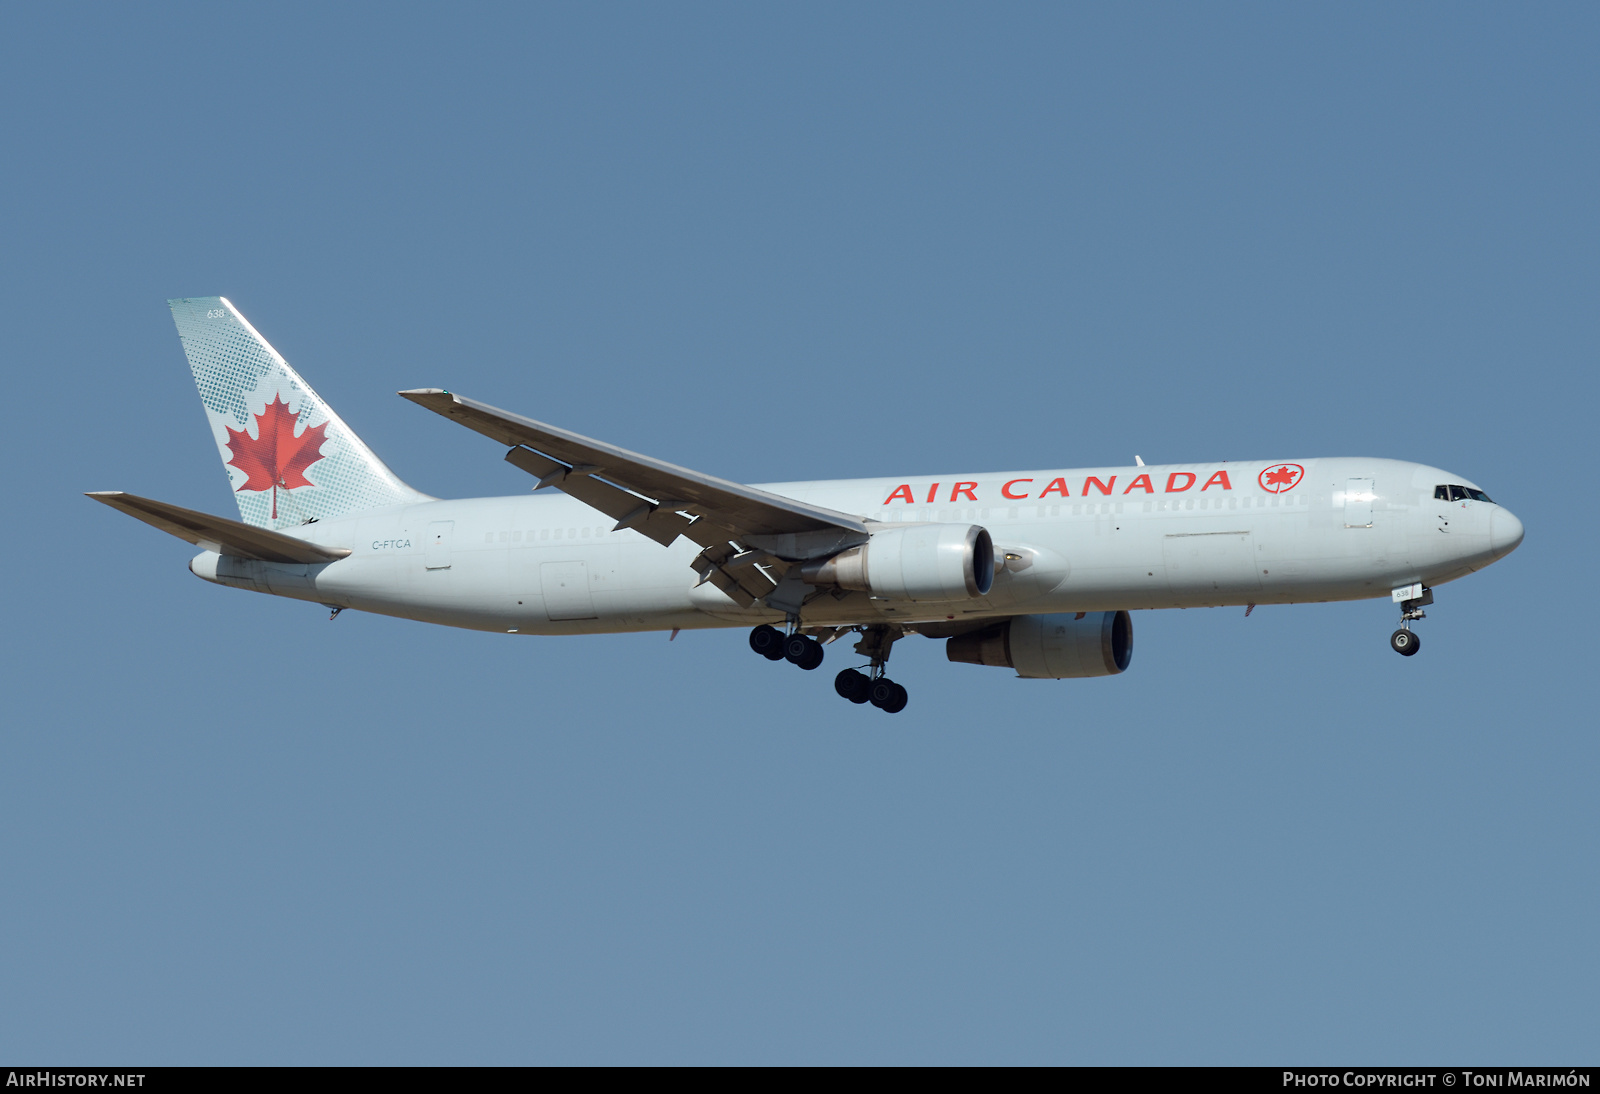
x=1283 y=477
x=276 y=456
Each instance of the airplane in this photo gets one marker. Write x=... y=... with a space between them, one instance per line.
x=1036 y=571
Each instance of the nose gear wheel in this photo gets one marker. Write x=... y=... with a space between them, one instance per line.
x=1404 y=642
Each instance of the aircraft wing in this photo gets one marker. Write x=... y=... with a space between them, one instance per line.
x=229 y=537
x=749 y=535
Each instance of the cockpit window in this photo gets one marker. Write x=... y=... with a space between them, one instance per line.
x=1459 y=493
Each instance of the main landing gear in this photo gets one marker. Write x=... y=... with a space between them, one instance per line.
x=796 y=648
x=871 y=686
x=883 y=693
x=1403 y=641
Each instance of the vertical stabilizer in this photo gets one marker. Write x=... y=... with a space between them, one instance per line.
x=289 y=457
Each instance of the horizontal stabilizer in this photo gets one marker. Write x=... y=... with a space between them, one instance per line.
x=228 y=537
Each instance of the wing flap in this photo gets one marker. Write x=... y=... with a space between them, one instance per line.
x=229 y=537
x=628 y=509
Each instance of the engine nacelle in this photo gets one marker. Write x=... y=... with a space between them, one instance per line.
x=1051 y=647
x=914 y=562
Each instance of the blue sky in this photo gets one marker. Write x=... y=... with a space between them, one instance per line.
x=794 y=242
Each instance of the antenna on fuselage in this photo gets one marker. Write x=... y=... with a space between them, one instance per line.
x=1138 y=460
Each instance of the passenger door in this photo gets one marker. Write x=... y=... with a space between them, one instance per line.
x=1358 y=496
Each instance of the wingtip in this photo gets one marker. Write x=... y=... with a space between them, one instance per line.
x=425 y=395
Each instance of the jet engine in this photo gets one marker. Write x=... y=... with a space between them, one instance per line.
x=1051 y=647
x=913 y=562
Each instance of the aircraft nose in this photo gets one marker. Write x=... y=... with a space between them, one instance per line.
x=1505 y=532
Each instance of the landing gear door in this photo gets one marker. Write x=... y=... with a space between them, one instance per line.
x=436 y=549
x=1358 y=504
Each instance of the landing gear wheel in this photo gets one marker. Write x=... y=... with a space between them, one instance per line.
x=1405 y=643
x=803 y=651
x=852 y=685
x=768 y=642
x=887 y=695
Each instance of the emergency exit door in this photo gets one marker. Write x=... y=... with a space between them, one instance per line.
x=436 y=549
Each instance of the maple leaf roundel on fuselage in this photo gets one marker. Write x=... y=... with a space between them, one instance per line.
x=276 y=456
x=1280 y=477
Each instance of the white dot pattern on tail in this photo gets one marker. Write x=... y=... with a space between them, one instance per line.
x=238 y=374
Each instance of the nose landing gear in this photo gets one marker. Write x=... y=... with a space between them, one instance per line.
x=1412 y=599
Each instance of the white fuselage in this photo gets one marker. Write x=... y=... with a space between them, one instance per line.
x=1176 y=536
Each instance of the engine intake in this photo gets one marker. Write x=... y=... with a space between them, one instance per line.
x=914 y=562
x=1051 y=647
